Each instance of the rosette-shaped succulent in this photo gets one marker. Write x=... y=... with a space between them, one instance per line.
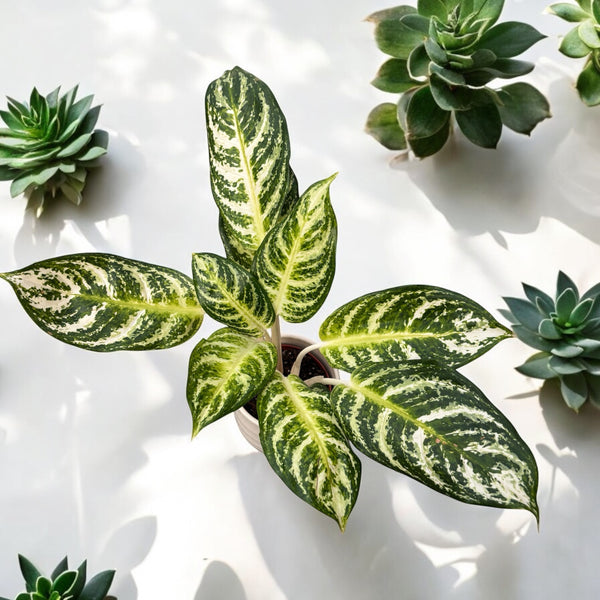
x=63 y=584
x=566 y=331
x=444 y=55
x=48 y=145
x=581 y=41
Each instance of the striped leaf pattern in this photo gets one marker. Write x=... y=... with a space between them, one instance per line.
x=296 y=261
x=433 y=424
x=409 y=322
x=306 y=447
x=249 y=154
x=104 y=302
x=226 y=370
x=231 y=294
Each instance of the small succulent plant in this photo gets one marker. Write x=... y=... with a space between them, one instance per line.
x=566 y=331
x=63 y=584
x=444 y=55
x=48 y=145
x=583 y=41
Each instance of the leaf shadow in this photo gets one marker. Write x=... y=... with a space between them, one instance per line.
x=220 y=581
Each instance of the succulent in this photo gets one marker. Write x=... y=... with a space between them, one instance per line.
x=48 y=145
x=583 y=41
x=63 y=584
x=444 y=55
x=566 y=331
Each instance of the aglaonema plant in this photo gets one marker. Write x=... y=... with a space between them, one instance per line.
x=63 y=583
x=566 y=332
x=583 y=41
x=445 y=54
x=404 y=405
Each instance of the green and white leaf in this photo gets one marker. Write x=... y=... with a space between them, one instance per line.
x=409 y=322
x=306 y=447
x=231 y=295
x=104 y=302
x=226 y=370
x=433 y=424
x=296 y=262
x=249 y=152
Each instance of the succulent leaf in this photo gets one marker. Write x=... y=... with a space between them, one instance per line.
x=537 y=366
x=382 y=124
x=482 y=125
x=574 y=390
x=104 y=302
x=588 y=84
x=44 y=143
x=394 y=76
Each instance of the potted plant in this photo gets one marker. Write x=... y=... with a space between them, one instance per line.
x=63 y=583
x=566 y=332
x=48 y=146
x=405 y=404
x=583 y=41
x=445 y=53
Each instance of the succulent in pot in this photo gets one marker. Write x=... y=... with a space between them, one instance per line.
x=404 y=405
x=48 y=146
x=445 y=53
x=63 y=583
x=566 y=332
x=583 y=41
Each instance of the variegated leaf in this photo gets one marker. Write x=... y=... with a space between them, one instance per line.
x=409 y=322
x=433 y=424
x=296 y=261
x=104 y=302
x=226 y=370
x=231 y=294
x=249 y=154
x=306 y=447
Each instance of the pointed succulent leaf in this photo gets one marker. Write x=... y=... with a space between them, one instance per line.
x=448 y=75
x=428 y=146
x=568 y=12
x=393 y=76
x=524 y=312
x=481 y=125
x=565 y=366
x=30 y=573
x=61 y=567
x=306 y=447
x=80 y=581
x=97 y=587
x=433 y=424
x=574 y=390
x=593 y=292
x=424 y=117
x=588 y=34
x=104 y=302
x=226 y=370
x=567 y=350
x=537 y=366
x=231 y=295
x=563 y=282
x=533 y=339
x=435 y=52
x=397 y=38
x=450 y=98
x=581 y=312
x=249 y=152
x=510 y=38
x=593 y=384
x=64 y=582
x=573 y=46
x=489 y=10
x=23 y=596
x=565 y=304
x=522 y=107
x=588 y=85
x=296 y=262
x=409 y=322
x=43 y=587
x=548 y=330
x=382 y=124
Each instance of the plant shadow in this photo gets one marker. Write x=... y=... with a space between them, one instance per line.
x=220 y=581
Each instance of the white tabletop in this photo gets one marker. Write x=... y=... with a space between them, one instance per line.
x=95 y=454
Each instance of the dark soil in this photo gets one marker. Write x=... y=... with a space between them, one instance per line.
x=311 y=367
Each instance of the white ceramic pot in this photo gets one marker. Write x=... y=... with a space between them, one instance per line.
x=247 y=424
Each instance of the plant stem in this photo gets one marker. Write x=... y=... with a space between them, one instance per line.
x=276 y=339
x=298 y=362
x=323 y=380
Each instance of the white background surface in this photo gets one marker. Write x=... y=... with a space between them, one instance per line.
x=95 y=452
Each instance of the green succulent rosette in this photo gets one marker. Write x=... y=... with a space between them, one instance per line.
x=566 y=332
x=444 y=54
x=583 y=41
x=63 y=583
x=48 y=145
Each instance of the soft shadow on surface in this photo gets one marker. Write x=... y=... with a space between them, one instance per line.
x=220 y=581
x=464 y=182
